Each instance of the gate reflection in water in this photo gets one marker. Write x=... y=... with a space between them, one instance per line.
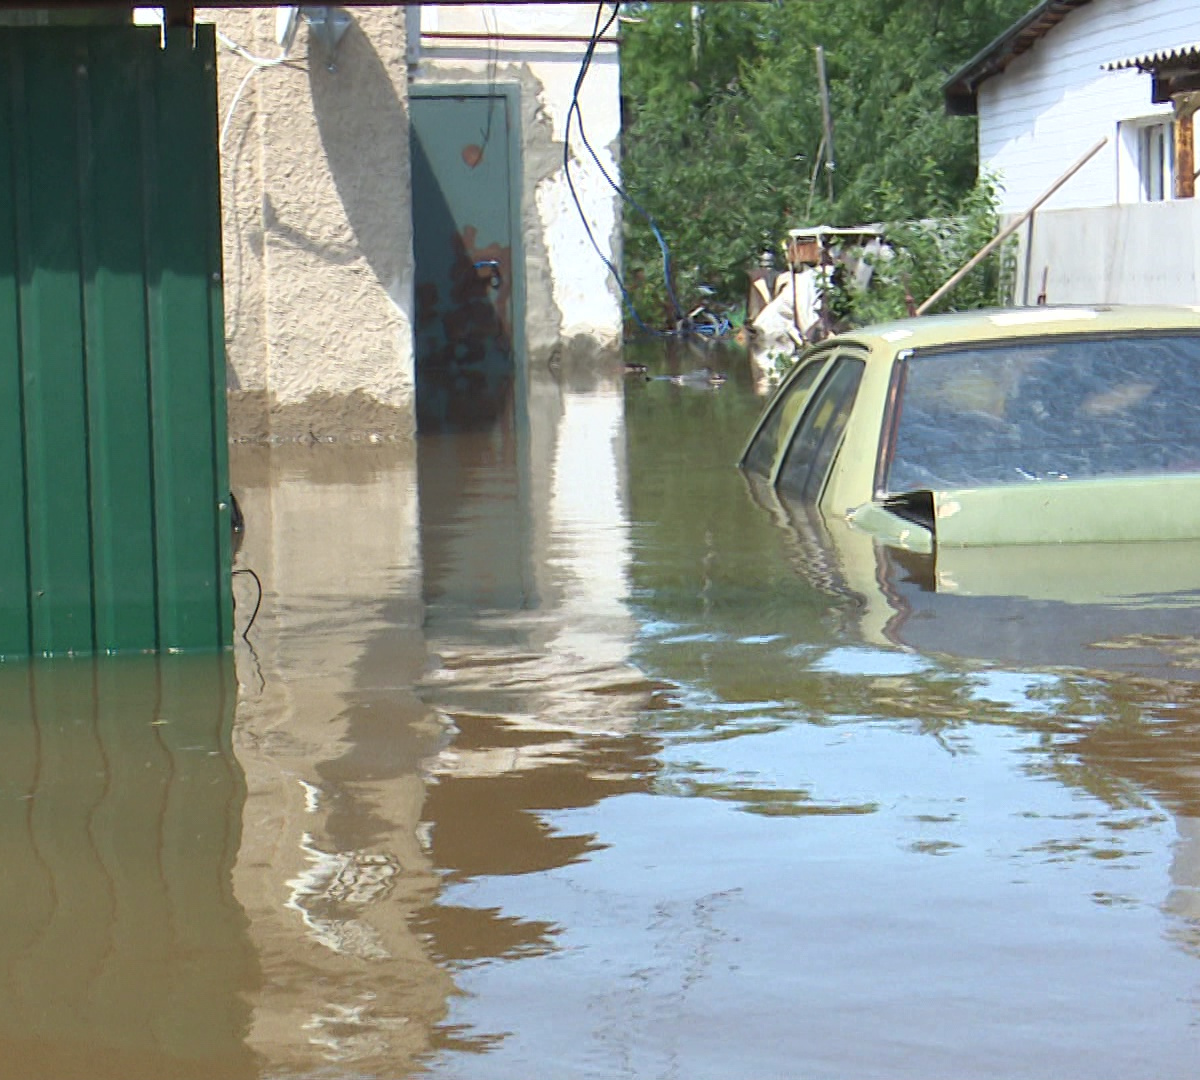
x=556 y=755
x=123 y=953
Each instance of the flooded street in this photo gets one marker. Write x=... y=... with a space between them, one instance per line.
x=554 y=752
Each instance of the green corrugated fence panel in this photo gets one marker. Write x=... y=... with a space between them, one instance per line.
x=181 y=339
x=47 y=199
x=117 y=357
x=14 y=566
x=110 y=344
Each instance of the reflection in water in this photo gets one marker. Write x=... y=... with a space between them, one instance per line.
x=124 y=952
x=558 y=755
x=333 y=867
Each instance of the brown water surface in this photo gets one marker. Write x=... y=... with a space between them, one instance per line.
x=553 y=752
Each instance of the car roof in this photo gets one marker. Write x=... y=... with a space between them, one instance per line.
x=1000 y=324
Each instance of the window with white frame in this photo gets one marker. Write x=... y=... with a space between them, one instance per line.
x=1148 y=165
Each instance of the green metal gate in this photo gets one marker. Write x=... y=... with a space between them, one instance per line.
x=114 y=523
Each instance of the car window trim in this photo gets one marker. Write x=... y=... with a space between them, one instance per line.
x=892 y=408
x=826 y=362
x=813 y=355
x=837 y=350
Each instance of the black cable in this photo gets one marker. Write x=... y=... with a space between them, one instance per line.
x=576 y=111
x=258 y=603
x=572 y=110
x=575 y=114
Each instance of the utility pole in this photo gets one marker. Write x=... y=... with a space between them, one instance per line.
x=826 y=119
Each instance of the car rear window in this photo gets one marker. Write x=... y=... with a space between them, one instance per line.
x=1047 y=410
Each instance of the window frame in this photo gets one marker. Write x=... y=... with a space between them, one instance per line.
x=843 y=353
x=819 y=355
x=1138 y=167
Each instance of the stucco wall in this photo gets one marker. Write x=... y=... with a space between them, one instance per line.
x=318 y=230
x=571 y=297
x=1055 y=101
x=1139 y=253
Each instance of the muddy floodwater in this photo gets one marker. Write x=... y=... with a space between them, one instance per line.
x=554 y=752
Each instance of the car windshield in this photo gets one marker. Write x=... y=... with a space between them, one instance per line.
x=1047 y=410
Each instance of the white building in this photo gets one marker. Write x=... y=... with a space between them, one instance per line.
x=1071 y=75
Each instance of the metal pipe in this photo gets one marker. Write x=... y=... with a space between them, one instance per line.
x=1012 y=227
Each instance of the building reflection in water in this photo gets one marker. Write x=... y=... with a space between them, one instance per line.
x=442 y=658
x=331 y=738
x=124 y=952
x=527 y=585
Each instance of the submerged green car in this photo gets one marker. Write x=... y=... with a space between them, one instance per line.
x=1029 y=426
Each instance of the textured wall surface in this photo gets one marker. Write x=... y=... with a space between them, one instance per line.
x=318 y=230
x=318 y=215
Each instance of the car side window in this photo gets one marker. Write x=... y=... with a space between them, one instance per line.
x=764 y=450
x=816 y=439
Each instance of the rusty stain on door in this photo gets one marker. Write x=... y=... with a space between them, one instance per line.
x=463 y=186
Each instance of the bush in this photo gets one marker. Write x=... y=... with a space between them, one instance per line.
x=925 y=254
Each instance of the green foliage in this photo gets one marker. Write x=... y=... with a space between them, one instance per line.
x=924 y=254
x=724 y=133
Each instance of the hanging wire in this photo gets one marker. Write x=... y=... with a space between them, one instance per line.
x=492 y=26
x=257 y=65
x=258 y=602
x=575 y=116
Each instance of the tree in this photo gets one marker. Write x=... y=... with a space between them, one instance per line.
x=723 y=144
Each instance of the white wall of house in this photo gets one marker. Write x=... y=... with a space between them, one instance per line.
x=1055 y=101
x=570 y=293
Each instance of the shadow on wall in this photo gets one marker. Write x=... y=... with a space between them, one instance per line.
x=363 y=125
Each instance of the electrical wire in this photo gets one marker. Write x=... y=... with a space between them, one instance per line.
x=258 y=603
x=258 y=63
x=492 y=25
x=575 y=115
x=577 y=111
x=684 y=325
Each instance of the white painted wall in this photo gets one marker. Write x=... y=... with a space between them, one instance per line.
x=570 y=292
x=1141 y=253
x=1055 y=101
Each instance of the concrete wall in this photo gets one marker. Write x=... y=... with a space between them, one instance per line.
x=572 y=300
x=1140 y=253
x=318 y=214
x=318 y=230
x=1055 y=101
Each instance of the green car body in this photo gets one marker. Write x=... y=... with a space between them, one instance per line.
x=1073 y=426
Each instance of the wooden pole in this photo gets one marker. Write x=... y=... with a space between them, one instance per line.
x=1185 y=160
x=826 y=119
x=1009 y=229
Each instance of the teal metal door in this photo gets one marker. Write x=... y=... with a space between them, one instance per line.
x=465 y=198
x=113 y=460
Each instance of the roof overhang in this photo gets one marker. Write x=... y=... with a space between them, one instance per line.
x=1175 y=70
x=959 y=91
